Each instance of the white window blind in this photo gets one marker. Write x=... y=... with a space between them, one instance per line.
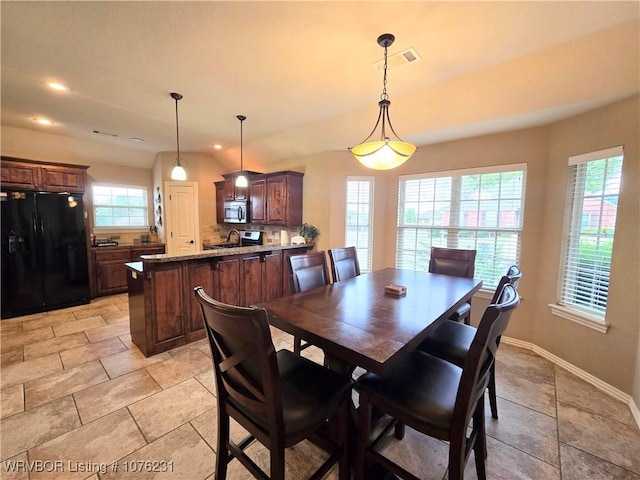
x=590 y=220
x=359 y=219
x=119 y=206
x=479 y=209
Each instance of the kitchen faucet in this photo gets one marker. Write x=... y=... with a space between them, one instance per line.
x=237 y=233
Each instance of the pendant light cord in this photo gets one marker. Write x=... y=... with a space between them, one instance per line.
x=177 y=132
x=384 y=95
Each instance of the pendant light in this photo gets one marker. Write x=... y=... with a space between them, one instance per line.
x=241 y=180
x=385 y=153
x=178 y=172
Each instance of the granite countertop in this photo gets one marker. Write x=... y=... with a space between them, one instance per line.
x=222 y=252
x=129 y=245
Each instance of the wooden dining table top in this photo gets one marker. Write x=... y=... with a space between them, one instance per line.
x=357 y=324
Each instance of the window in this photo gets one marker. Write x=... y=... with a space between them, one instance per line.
x=119 y=206
x=590 y=223
x=359 y=218
x=479 y=209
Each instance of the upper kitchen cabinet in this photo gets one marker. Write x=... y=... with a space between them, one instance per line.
x=276 y=199
x=231 y=191
x=31 y=175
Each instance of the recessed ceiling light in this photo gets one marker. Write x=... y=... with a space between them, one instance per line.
x=58 y=86
x=217 y=146
x=136 y=140
x=43 y=121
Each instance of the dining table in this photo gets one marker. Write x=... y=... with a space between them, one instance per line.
x=357 y=324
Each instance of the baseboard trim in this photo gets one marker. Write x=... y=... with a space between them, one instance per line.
x=578 y=372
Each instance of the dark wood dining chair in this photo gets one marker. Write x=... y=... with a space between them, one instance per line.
x=308 y=271
x=344 y=263
x=459 y=263
x=452 y=341
x=270 y=393
x=435 y=397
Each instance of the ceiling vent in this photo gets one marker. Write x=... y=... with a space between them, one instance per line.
x=105 y=133
x=402 y=58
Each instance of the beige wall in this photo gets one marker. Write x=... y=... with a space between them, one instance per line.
x=612 y=357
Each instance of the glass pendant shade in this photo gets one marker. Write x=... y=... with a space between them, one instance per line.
x=383 y=154
x=241 y=181
x=178 y=172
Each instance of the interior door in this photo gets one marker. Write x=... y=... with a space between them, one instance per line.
x=182 y=227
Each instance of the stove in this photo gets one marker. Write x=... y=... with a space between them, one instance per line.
x=250 y=237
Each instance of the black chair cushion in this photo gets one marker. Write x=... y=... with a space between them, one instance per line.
x=450 y=341
x=450 y=266
x=310 y=393
x=408 y=388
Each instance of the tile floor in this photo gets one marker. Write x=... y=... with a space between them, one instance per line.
x=77 y=396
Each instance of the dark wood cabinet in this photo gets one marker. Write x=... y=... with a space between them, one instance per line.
x=226 y=280
x=276 y=199
x=31 y=175
x=262 y=277
x=219 y=201
x=109 y=271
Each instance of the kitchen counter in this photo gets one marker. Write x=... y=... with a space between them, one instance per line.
x=221 y=252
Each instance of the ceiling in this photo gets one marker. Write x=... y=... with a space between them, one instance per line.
x=302 y=72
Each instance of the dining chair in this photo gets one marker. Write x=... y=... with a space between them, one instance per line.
x=309 y=270
x=269 y=393
x=459 y=263
x=344 y=263
x=435 y=397
x=452 y=341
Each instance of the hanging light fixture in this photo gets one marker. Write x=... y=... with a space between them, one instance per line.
x=385 y=153
x=241 y=180
x=178 y=172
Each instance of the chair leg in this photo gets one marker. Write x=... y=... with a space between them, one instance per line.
x=364 y=427
x=493 y=400
x=398 y=430
x=480 y=445
x=222 y=453
x=277 y=461
x=343 y=434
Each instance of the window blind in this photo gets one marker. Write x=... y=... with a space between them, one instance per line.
x=589 y=231
x=359 y=219
x=479 y=209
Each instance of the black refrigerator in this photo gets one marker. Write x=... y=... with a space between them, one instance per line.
x=44 y=252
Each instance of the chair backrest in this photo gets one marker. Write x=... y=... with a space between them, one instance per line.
x=244 y=361
x=513 y=276
x=308 y=271
x=344 y=263
x=477 y=368
x=453 y=261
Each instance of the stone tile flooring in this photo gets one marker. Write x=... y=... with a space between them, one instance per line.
x=77 y=397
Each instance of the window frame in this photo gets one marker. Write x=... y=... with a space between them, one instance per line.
x=456 y=197
x=120 y=228
x=573 y=233
x=365 y=258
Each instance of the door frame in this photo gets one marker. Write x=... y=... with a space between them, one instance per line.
x=167 y=213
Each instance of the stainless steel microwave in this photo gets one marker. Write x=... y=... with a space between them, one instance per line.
x=235 y=211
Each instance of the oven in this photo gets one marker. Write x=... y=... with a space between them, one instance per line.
x=235 y=212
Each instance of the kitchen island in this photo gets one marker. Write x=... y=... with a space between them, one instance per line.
x=163 y=312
